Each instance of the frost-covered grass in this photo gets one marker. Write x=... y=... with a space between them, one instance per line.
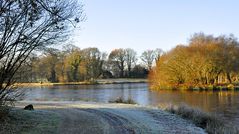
x=4 y=111
x=211 y=123
x=33 y=122
x=86 y=117
x=122 y=100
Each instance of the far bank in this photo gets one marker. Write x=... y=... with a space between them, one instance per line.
x=98 y=81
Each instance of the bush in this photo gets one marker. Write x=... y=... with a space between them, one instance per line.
x=212 y=124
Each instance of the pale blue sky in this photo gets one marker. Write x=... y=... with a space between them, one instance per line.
x=150 y=24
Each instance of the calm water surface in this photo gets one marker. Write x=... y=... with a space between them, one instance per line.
x=225 y=103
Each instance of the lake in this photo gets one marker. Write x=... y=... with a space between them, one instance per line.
x=223 y=103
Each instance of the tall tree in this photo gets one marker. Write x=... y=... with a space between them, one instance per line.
x=73 y=61
x=148 y=58
x=158 y=52
x=50 y=61
x=130 y=57
x=26 y=25
x=61 y=67
x=117 y=57
x=94 y=60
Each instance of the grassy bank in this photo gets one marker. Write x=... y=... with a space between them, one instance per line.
x=211 y=123
x=23 y=121
x=221 y=87
x=99 y=81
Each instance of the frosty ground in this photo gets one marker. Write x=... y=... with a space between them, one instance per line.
x=98 y=118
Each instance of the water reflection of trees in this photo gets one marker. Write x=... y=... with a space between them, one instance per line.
x=208 y=101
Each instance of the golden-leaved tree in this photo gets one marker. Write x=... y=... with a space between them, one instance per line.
x=205 y=60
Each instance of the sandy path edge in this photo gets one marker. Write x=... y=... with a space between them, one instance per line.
x=98 y=118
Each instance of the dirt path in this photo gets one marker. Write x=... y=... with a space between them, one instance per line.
x=97 y=118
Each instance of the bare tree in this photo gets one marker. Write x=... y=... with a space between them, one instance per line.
x=130 y=59
x=27 y=25
x=117 y=57
x=149 y=56
x=158 y=52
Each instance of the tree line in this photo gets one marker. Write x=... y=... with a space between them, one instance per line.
x=72 y=64
x=205 y=60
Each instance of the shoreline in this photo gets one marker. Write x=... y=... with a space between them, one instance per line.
x=220 y=87
x=97 y=82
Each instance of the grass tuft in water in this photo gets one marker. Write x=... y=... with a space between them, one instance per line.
x=122 y=100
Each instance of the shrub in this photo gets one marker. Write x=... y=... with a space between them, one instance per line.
x=211 y=123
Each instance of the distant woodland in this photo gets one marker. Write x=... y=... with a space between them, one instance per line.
x=205 y=60
x=72 y=64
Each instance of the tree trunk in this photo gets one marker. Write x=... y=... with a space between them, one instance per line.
x=121 y=73
x=229 y=77
x=121 y=69
x=129 y=70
